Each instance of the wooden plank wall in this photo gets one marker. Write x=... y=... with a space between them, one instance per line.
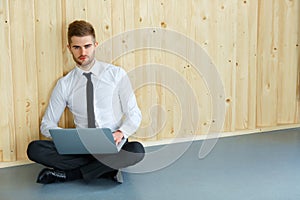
x=254 y=45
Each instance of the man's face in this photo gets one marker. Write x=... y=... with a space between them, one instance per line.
x=83 y=50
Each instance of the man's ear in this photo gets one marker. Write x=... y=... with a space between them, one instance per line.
x=69 y=47
x=96 y=44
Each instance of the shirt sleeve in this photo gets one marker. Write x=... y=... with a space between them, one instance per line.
x=56 y=106
x=131 y=111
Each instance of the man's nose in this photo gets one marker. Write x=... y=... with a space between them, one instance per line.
x=83 y=51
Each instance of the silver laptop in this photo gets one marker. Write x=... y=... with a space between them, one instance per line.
x=85 y=141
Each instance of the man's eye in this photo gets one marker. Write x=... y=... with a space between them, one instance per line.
x=87 y=46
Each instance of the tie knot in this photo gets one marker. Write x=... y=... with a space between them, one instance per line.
x=88 y=75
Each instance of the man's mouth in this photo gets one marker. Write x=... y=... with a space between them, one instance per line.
x=82 y=58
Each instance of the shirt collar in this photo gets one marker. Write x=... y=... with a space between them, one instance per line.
x=96 y=70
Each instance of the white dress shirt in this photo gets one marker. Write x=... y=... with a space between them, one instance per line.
x=114 y=100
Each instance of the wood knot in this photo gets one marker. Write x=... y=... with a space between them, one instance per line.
x=163 y=25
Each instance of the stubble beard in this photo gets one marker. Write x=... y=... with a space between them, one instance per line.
x=85 y=65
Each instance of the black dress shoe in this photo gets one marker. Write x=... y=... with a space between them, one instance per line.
x=47 y=176
x=115 y=175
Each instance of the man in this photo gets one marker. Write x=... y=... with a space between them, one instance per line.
x=114 y=107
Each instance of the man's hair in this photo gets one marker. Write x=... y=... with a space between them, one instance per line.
x=80 y=28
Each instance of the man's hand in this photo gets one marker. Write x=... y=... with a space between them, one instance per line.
x=118 y=136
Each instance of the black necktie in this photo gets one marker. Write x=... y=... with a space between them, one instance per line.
x=90 y=100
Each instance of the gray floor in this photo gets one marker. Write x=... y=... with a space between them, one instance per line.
x=257 y=166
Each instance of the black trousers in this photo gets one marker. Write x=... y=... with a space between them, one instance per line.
x=91 y=166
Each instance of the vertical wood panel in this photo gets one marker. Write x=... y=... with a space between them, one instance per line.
x=222 y=15
x=267 y=66
x=122 y=19
x=287 y=60
x=123 y=23
x=199 y=25
x=99 y=15
x=253 y=28
x=169 y=116
x=102 y=22
x=178 y=104
x=48 y=27
x=246 y=30
x=25 y=73
x=7 y=129
x=146 y=95
x=160 y=115
x=200 y=31
x=297 y=115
